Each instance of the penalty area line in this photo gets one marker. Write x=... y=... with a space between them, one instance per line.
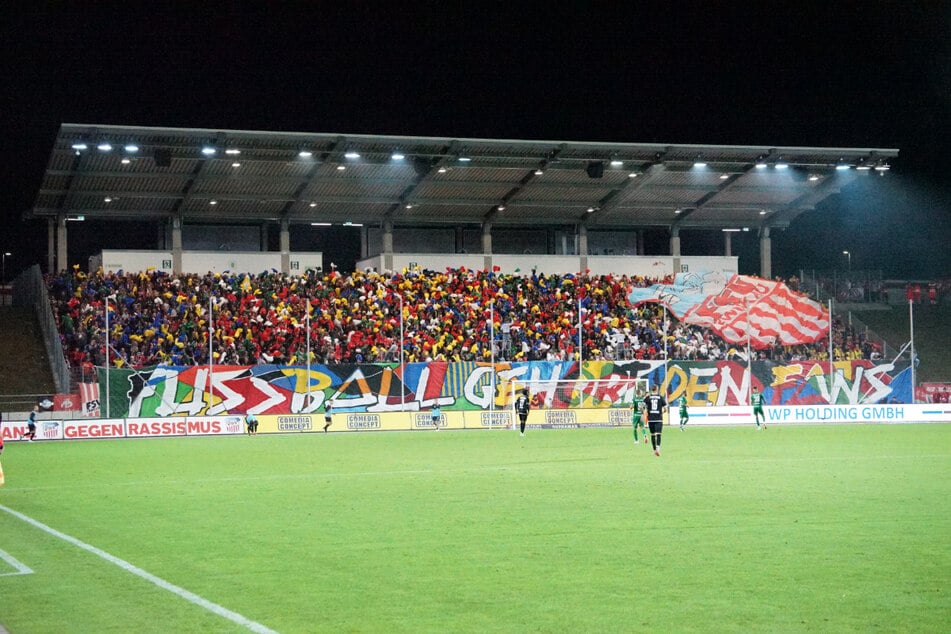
x=191 y=597
x=21 y=568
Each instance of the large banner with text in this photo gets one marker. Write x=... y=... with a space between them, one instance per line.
x=166 y=391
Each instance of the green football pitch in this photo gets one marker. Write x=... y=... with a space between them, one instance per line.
x=811 y=528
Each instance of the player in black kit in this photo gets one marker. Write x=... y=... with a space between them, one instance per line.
x=656 y=405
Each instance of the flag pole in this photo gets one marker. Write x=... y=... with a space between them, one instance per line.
x=211 y=356
x=666 y=353
x=307 y=317
x=749 y=354
x=911 y=327
x=108 y=361
x=402 y=369
x=492 y=349
x=580 y=340
x=831 y=354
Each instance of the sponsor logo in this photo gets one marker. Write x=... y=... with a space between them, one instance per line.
x=557 y=418
x=49 y=429
x=364 y=421
x=46 y=404
x=495 y=419
x=620 y=416
x=426 y=420
x=294 y=423
x=233 y=425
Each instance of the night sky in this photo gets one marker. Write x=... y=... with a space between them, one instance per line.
x=798 y=73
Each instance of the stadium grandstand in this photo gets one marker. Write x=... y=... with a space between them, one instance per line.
x=569 y=294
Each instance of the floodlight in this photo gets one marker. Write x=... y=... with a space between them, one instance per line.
x=209 y=151
x=131 y=148
x=105 y=146
x=398 y=156
x=79 y=146
x=305 y=154
x=352 y=155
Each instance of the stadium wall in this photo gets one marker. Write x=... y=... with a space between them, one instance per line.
x=643 y=265
x=204 y=261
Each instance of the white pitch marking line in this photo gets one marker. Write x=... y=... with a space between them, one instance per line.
x=21 y=568
x=161 y=583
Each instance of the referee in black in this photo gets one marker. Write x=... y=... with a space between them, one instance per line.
x=656 y=407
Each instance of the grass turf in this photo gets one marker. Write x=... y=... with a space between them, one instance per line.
x=838 y=528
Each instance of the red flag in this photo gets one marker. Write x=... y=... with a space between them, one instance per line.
x=776 y=314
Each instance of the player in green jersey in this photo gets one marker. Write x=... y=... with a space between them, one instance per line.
x=637 y=418
x=684 y=417
x=756 y=400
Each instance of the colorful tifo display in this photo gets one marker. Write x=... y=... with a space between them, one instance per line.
x=269 y=389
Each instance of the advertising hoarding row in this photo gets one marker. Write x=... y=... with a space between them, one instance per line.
x=229 y=425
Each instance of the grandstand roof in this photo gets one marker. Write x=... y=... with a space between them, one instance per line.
x=438 y=180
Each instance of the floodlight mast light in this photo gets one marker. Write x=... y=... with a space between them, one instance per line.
x=3 y=274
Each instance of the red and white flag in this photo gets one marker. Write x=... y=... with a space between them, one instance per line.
x=89 y=394
x=776 y=314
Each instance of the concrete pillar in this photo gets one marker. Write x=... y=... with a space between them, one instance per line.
x=765 y=254
x=460 y=239
x=640 y=243
x=160 y=235
x=582 y=248
x=50 y=245
x=285 y=247
x=487 y=246
x=675 y=248
x=265 y=246
x=387 y=245
x=727 y=243
x=61 y=245
x=177 y=245
x=364 y=242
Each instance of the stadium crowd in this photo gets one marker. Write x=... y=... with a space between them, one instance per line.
x=158 y=318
